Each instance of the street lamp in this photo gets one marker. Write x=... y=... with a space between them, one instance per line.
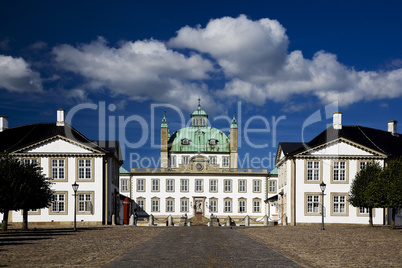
x=75 y=188
x=281 y=194
x=322 y=186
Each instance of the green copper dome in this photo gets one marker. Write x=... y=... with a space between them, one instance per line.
x=199 y=139
x=199 y=112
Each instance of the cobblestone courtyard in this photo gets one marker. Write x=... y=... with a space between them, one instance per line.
x=308 y=246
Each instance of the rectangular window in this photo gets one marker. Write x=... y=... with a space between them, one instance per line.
x=227 y=185
x=140 y=204
x=33 y=161
x=140 y=185
x=84 y=169
x=58 y=169
x=185 y=160
x=172 y=161
x=228 y=205
x=213 y=206
x=169 y=185
x=155 y=185
x=363 y=164
x=242 y=186
x=242 y=206
x=212 y=160
x=339 y=204
x=155 y=205
x=184 y=205
x=169 y=205
x=198 y=186
x=272 y=187
x=124 y=185
x=339 y=171
x=225 y=161
x=256 y=206
x=84 y=203
x=257 y=186
x=184 y=185
x=58 y=203
x=313 y=203
x=313 y=170
x=363 y=210
x=213 y=186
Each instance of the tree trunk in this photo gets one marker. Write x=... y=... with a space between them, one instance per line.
x=25 y=219
x=393 y=218
x=371 y=217
x=5 y=221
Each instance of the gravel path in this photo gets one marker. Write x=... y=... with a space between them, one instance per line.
x=202 y=247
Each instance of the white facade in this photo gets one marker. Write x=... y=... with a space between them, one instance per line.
x=335 y=162
x=66 y=160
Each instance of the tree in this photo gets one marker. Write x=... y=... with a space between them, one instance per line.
x=386 y=190
x=36 y=192
x=358 y=195
x=21 y=187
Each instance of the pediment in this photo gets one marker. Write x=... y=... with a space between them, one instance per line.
x=58 y=145
x=341 y=147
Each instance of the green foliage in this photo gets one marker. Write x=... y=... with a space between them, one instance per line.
x=386 y=190
x=22 y=186
x=359 y=195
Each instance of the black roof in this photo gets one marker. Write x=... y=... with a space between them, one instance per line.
x=13 y=139
x=378 y=140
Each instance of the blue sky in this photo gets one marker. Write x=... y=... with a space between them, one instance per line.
x=273 y=63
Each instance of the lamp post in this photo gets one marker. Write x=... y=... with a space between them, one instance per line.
x=75 y=188
x=322 y=186
x=281 y=206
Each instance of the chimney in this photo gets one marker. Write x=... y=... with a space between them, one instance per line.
x=392 y=127
x=337 y=120
x=3 y=123
x=60 y=118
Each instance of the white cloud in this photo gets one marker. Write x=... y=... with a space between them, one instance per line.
x=17 y=76
x=254 y=59
x=247 y=49
x=141 y=70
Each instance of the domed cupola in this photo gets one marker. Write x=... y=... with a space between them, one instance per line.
x=199 y=117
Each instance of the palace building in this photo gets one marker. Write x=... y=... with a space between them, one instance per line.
x=333 y=158
x=198 y=177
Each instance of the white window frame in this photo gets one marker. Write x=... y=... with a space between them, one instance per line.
x=124 y=185
x=155 y=204
x=213 y=186
x=213 y=205
x=225 y=161
x=85 y=203
x=169 y=205
x=227 y=205
x=140 y=185
x=184 y=185
x=155 y=185
x=339 y=171
x=199 y=185
x=170 y=185
x=227 y=186
x=242 y=205
x=185 y=159
x=212 y=160
x=58 y=203
x=58 y=168
x=313 y=170
x=242 y=186
x=184 y=205
x=84 y=169
x=257 y=186
x=256 y=206
x=313 y=204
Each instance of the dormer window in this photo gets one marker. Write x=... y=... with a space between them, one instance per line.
x=213 y=142
x=185 y=142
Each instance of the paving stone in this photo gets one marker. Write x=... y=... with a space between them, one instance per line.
x=202 y=247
